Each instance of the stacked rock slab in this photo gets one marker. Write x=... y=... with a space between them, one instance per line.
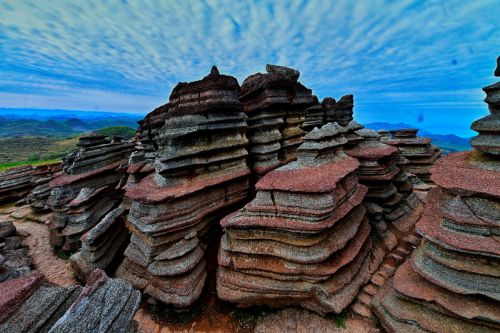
x=275 y=104
x=304 y=239
x=451 y=283
x=16 y=183
x=315 y=116
x=88 y=189
x=201 y=172
x=149 y=128
x=339 y=111
x=104 y=305
x=377 y=171
x=38 y=197
x=101 y=244
x=14 y=259
x=419 y=151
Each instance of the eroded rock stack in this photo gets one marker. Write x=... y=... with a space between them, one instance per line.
x=149 y=129
x=16 y=183
x=38 y=197
x=340 y=111
x=104 y=305
x=201 y=171
x=419 y=151
x=275 y=104
x=101 y=244
x=304 y=239
x=315 y=116
x=14 y=259
x=389 y=196
x=88 y=190
x=451 y=283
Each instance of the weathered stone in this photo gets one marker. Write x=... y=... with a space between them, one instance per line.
x=305 y=231
x=451 y=283
x=200 y=155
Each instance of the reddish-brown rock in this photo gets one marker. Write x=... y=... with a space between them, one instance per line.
x=305 y=231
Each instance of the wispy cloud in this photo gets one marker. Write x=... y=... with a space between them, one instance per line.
x=98 y=54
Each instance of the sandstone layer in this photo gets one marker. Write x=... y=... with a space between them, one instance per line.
x=304 y=239
x=451 y=283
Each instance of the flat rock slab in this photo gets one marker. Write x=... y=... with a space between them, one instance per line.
x=14 y=292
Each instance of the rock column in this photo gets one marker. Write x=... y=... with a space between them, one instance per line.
x=451 y=283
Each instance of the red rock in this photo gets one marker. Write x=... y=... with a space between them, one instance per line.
x=14 y=292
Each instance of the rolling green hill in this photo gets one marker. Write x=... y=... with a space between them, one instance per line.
x=15 y=151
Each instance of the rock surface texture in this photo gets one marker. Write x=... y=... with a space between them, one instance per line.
x=200 y=172
x=275 y=103
x=101 y=244
x=419 y=151
x=304 y=239
x=104 y=305
x=451 y=283
x=14 y=258
x=16 y=183
x=89 y=188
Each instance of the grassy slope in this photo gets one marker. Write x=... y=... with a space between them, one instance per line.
x=39 y=150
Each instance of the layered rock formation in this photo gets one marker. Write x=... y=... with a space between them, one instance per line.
x=89 y=188
x=14 y=259
x=38 y=197
x=339 y=111
x=315 y=116
x=421 y=154
x=200 y=172
x=149 y=129
x=101 y=244
x=389 y=194
x=304 y=239
x=451 y=283
x=275 y=104
x=16 y=183
x=104 y=305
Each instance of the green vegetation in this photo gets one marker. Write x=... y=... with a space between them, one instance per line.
x=123 y=131
x=339 y=319
x=17 y=151
x=7 y=166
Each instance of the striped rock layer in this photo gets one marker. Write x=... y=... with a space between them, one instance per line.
x=275 y=103
x=452 y=281
x=200 y=172
x=304 y=239
x=88 y=190
x=419 y=151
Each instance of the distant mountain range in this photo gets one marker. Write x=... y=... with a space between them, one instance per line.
x=449 y=143
x=67 y=123
x=59 y=123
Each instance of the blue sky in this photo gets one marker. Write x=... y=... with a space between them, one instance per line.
x=419 y=62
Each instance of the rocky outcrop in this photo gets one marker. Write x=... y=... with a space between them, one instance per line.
x=14 y=259
x=149 y=128
x=390 y=195
x=89 y=188
x=315 y=116
x=104 y=305
x=14 y=292
x=450 y=284
x=419 y=151
x=101 y=244
x=340 y=111
x=304 y=239
x=488 y=140
x=16 y=183
x=200 y=172
x=275 y=104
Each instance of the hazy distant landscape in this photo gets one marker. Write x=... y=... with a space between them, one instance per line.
x=40 y=136
x=36 y=136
